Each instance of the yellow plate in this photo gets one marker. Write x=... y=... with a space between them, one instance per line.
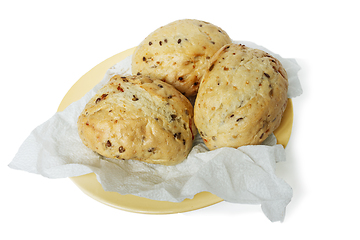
x=89 y=184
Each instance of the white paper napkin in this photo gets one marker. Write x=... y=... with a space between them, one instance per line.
x=244 y=175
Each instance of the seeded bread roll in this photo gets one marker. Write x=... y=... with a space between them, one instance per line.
x=179 y=52
x=138 y=118
x=241 y=99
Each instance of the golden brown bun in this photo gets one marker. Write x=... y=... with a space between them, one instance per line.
x=241 y=99
x=138 y=118
x=179 y=53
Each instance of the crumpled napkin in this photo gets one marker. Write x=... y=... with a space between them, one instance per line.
x=244 y=175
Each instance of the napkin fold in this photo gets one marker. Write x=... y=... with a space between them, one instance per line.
x=243 y=175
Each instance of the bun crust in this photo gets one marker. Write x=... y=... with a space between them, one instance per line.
x=179 y=53
x=138 y=118
x=241 y=99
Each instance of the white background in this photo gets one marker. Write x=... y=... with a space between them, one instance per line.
x=46 y=46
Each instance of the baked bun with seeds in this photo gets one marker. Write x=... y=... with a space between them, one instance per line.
x=179 y=52
x=138 y=118
x=241 y=98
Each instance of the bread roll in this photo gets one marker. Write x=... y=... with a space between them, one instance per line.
x=179 y=52
x=241 y=99
x=138 y=118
